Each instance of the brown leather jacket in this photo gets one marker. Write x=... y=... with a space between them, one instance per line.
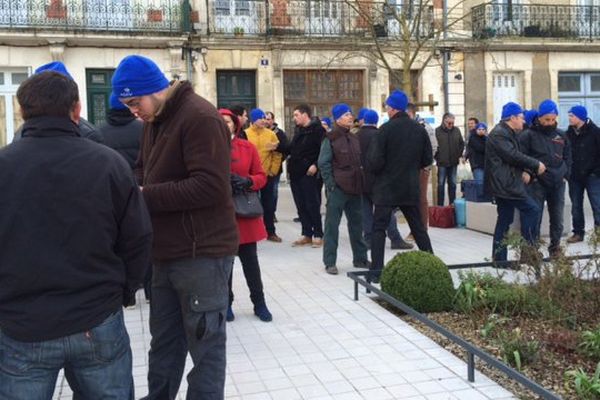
x=184 y=166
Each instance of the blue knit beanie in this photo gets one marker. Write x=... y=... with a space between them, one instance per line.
x=115 y=104
x=530 y=116
x=339 y=110
x=397 y=100
x=371 y=117
x=481 y=125
x=511 y=110
x=547 y=107
x=580 y=112
x=257 y=114
x=327 y=121
x=138 y=76
x=361 y=113
x=55 y=66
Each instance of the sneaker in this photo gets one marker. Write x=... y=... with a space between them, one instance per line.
x=410 y=238
x=332 y=270
x=230 y=314
x=556 y=252
x=274 y=238
x=362 y=264
x=316 y=243
x=575 y=238
x=401 y=245
x=303 y=241
x=263 y=313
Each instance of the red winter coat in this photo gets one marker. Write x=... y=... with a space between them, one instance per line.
x=246 y=162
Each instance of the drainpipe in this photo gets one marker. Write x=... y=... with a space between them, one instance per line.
x=445 y=54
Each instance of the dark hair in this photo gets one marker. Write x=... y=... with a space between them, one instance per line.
x=304 y=109
x=237 y=109
x=47 y=94
x=411 y=107
x=448 y=115
x=271 y=114
x=473 y=119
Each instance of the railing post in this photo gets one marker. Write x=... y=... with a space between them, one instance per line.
x=471 y=366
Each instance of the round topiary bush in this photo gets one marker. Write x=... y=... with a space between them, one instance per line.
x=419 y=280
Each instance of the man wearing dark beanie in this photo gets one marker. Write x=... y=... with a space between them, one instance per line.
x=505 y=179
x=86 y=128
x=396 y=156
x=183 y=169
x=545 y=142
x=584 y=136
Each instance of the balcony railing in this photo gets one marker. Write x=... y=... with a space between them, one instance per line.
x=120 y=16
x=320 y=18
x=535 y=20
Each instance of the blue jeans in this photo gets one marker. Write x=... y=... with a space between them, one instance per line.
x=187 y=314
x=555 y=197
x=449 y=174
x=367 y=213
x=478 y=174
x=529 y=211
x=97 y=364
x=591 y=184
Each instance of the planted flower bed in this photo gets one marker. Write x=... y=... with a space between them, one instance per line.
x=547 y=326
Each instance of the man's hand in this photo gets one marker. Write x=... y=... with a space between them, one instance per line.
x=526 y=178
x=271 y=146
x=141 y=188
x=312 y=170
x=541 y=168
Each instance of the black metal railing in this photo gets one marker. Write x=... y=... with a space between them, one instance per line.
x=316 y=18
x=361 y=278
x=162 y=16
x=535 y=20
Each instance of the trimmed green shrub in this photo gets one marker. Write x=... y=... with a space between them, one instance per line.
x=420 y=280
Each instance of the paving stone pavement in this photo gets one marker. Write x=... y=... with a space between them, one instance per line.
x=322 y=344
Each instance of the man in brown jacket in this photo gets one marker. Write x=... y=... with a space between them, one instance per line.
x=183 y=169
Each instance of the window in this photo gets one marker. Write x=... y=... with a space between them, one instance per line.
x=595 y=83
x=569 y=83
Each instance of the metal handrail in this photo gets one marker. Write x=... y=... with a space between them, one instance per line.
x=472 y=350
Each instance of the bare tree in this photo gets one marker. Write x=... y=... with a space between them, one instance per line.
x=409 y=33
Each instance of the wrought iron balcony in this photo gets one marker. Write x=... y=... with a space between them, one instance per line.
x=535 y=20
x=315 y=18
x=121 y=16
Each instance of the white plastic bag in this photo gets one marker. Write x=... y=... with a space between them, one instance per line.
x=463 y=172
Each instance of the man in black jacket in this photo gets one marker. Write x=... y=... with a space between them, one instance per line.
x=546 y=143
x=86 y=128
x=365 y=134
x=476 y=151
x=450 y=149
x=76 y=241
x=396 y=156
x=122 y=131
x=283 y=147
x=584 y=136
x=505 y=178
x=302 y=167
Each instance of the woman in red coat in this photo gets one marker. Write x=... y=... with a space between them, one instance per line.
x=247 y=173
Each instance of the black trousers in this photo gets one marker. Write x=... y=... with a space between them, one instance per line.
x=267 y=200
x=249 y=259
x=381 y=220
x=307 y=197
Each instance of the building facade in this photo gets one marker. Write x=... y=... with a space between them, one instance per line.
x=466 y=56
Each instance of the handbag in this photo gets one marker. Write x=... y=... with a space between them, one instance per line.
x=247 y=205
x=441 y=217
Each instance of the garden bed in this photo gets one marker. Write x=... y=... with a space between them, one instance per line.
x=548 y=328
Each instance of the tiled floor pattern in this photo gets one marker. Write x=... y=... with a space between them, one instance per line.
x=322 y=344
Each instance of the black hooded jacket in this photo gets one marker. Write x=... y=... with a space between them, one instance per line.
x=122 y=132
x=305 y=147
x=550 y=147
x=585 y=149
